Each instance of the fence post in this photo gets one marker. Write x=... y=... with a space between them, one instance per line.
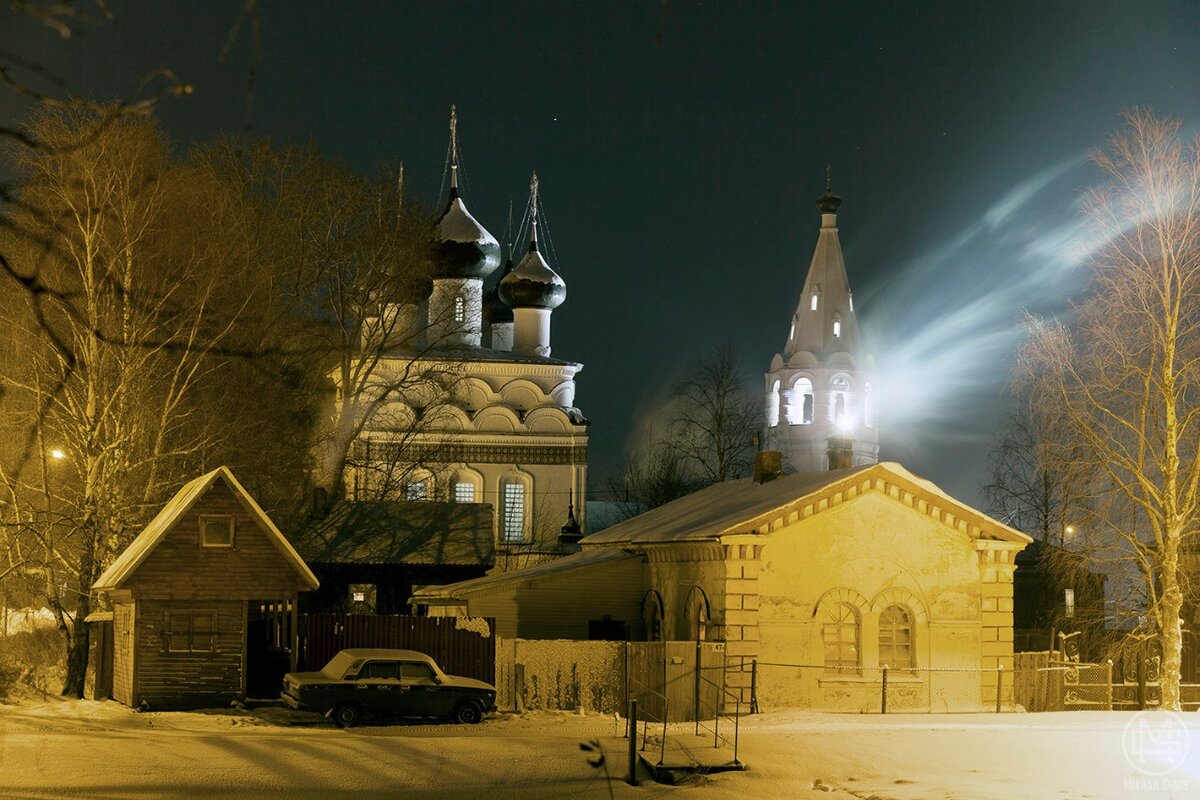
x=999 y=685
x=1108 y=686
x=696 y=696
x=1141 y=692
x=883 y=694
x=754 y=686
x=627 y=732
x=632 y=779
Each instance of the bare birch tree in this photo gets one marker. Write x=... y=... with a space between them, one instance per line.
x=714 y=419
x=1126 y=375
x=143 y=285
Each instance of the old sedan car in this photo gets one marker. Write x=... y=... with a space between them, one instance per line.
x=387 y=683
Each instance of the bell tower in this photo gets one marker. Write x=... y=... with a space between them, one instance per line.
x=821 y=398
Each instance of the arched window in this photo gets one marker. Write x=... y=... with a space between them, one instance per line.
x=837 y=409
x=801 y=409
x=850 y=300
x=467 y=487
x=896 y=638
x=837 y=327
x=773 y=405
x=792 y=332
x=697 y=615
x=812 y=303
x=652 y=616
x=515 y=494
x=460 y=309
x=839 y=632
x=868 y=406
x=416 y=490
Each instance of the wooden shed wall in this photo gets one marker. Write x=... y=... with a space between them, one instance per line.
x=180 y=569
x=559 y=607
x=123 y=649
x=190 y=680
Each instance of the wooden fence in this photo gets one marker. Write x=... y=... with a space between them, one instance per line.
x=460 y=645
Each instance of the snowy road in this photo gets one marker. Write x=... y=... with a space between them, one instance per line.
x=102 y=751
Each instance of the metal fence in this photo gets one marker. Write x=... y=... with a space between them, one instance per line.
x=870 y=690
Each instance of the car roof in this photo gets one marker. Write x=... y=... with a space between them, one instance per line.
x=379 y=652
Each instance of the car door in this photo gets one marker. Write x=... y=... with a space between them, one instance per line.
x=424 y=696
x=378 y=688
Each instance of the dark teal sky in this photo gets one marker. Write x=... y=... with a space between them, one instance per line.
x=681 y=145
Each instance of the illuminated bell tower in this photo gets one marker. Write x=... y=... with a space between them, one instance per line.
x=821 y=387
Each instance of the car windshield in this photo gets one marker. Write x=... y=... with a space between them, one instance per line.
x=338 y=665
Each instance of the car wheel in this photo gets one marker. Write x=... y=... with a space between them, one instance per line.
x=346 y=715
x=469 y=713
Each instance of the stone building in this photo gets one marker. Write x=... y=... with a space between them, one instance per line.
x=500 y=424
x=821 y=384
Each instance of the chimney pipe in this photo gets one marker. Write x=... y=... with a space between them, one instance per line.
x=841 y=452
x=768 y=465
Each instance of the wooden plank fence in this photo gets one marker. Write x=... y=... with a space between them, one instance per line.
x=460 y=645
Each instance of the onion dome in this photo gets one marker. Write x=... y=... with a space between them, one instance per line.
x=467 y=250
x=532 y=284
x=829 y=202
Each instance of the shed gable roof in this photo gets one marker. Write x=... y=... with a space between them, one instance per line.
x=744 y=507
x=140 y=548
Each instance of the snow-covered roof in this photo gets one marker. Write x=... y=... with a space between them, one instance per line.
x=743 y=506
x=141 y=547
x=457 y=225
x=558 y=566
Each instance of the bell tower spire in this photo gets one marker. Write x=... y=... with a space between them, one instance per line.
x=821 y=384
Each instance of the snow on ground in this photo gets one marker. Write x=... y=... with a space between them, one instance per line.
x=103 y=750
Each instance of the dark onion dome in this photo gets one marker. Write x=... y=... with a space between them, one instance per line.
x=467 y=250
x=533 y=284
x=829 y=202
x=495 y=309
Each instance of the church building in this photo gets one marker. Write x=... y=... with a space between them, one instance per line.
x=492 y=418
x=826 y=566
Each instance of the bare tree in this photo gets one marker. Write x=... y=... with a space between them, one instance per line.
x=1126 y=377
x=714 y=420
x=142 y=287
x=654 y=476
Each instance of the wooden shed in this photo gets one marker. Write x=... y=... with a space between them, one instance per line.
x=204 y=601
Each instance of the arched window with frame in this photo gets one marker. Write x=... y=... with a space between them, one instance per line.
x=773 y=405
x=515 y=497
x=840 y=636
x=896 y=638
x=837 y=327
x=652 y=616
x=801 y=411
x=837 y=409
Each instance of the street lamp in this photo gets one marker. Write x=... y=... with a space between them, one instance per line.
x=57 y=455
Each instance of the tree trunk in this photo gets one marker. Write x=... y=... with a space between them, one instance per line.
x=78 y=643
x=1171 y=634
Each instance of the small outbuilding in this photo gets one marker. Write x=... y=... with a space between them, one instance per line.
x=204 y=601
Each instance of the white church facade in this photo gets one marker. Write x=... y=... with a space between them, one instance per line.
x=498 y=423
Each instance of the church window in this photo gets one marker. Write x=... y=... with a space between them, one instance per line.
x=896 y=638
x=840 y=386
x=415 y=490
x=1069 y=603
x=792 y=332
x=837 y=328
x=460 y=309
x=800 y=411
x=840 y=636
x=773 y=405
x=812 y=303
x=512 y=522
x=850 y=300
x=464 y=492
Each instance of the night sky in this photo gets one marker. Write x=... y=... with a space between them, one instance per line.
x=680 y=148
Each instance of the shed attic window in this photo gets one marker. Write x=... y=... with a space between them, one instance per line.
x=464 y=492
x=895 y=638
x=460 y=312
x=512 y=523
x=216 y=531
x=840 y=636
x=415 y=490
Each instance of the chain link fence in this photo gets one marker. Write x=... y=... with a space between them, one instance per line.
x=874 y=690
